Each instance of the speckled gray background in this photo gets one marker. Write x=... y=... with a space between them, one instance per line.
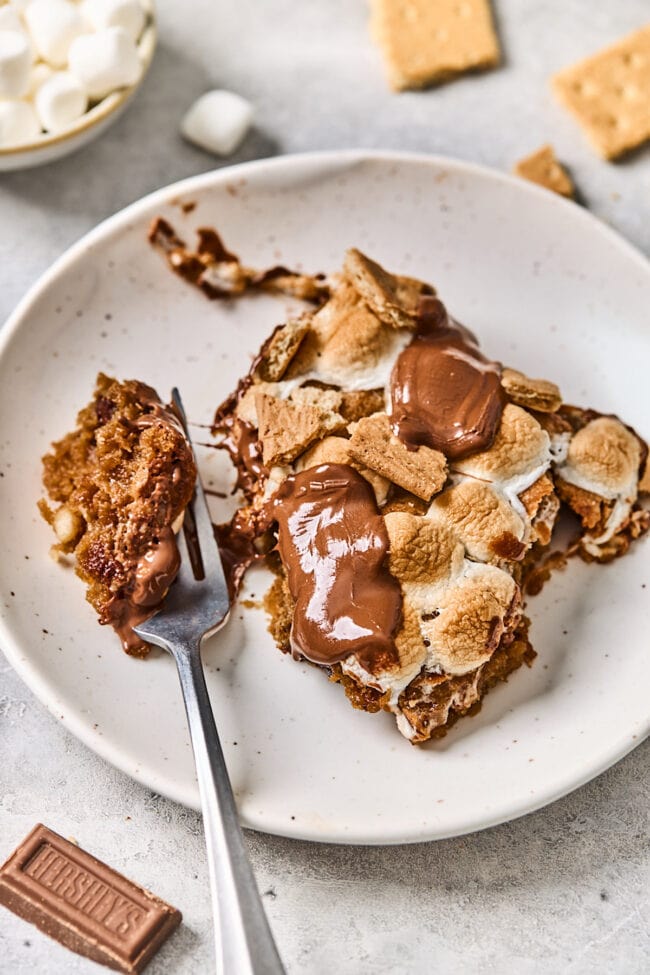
x=564 y=890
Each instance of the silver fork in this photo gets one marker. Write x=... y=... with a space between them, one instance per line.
x=196 y=606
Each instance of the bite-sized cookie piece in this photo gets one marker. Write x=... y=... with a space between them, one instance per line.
x=336 y=450
x=276 y=354
x=608 y=94
x=394 y=300
x=543 y=167
x=120 y=483
x=423 y=471
x=425 y=42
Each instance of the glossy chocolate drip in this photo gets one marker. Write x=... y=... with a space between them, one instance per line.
x=445 y=393
x=156 y=570
x=241 y=441
x=333 y=545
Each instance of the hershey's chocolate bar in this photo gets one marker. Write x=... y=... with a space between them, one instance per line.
x=84 y=904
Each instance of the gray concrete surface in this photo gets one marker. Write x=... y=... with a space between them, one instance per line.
x=564 y=890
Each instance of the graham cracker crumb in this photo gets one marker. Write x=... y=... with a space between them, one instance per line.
x=425 y=42
x=608 y=94
x=542 y=167
x=534 y=394
x=423 y=472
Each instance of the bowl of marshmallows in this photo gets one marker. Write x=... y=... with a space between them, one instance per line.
x=67 y=70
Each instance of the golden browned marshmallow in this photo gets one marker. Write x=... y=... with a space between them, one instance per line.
x=391 y=302
x=347 y=344
x=534 y=394
x=520 y=447
x=484 y=521
x=246 y=409
x=470 y=619
x=422 y=553
x=325 y=400
x=604 y=458
x=287 y=429
x=336 y=450
x=423 y=471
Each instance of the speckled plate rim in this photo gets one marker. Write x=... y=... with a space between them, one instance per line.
x=302 y=165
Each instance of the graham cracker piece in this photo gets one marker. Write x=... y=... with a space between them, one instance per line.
x=379 y=290
x=644 y=482
x=542 y=167
x=336 y=450
x=425 y=41
x=608 y=94
x=286 y=429
x=277 y=353
x=534 y=394
x=423 y=472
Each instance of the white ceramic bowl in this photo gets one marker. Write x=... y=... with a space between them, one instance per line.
x=47 y=148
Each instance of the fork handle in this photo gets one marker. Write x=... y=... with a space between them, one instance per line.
x=244 y=943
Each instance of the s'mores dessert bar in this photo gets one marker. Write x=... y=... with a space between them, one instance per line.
x=403 y=485
x=118 y=486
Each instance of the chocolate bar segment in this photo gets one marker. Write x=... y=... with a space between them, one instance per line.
x=84 y=904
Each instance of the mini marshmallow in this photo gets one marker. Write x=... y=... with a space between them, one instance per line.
x=54 y=24
x=105 y=61
x=18 y=124
x=218 y=121
x=60 y=101
x=15 y=62
x=38 y=75
x=128 y=14
x=10 y=19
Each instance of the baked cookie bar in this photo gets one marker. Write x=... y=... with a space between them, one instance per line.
x=404 y=485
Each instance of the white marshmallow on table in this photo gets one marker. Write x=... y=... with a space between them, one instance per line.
x=105 y=61
x=60 y=101
x=18 y=124
x=54 y=24
x=128 y=14
x=218 y=121
x=15 y=64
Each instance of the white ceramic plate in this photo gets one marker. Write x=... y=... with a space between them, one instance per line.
x=547 y=288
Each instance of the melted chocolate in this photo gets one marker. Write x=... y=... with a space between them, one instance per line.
x=333 y=544
x=445 y=393
x=156 y=570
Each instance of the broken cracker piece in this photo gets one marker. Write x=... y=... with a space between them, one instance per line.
x=286 y=429
x=535 y=394
x=423 y=472
x=378 y=289
x=425 y=42
x=542 y=167
x=608 y=94
x=277 y=353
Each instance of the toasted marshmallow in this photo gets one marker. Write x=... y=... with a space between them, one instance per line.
x=348 y=345
x=18 y=124
x=487 y=525
x=218 y=122
x=53 y=25
x=603 y=459
x=128 y=14
x=336 y=450
x=15 y=63
x=105 y=61
x=60 y=101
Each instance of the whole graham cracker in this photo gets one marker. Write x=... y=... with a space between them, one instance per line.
x=609 y=94
x=425 y=41
x=543 y=168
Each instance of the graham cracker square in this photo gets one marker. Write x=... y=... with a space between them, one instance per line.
x=609 y=94
x=425 y=41
x=542 y=167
